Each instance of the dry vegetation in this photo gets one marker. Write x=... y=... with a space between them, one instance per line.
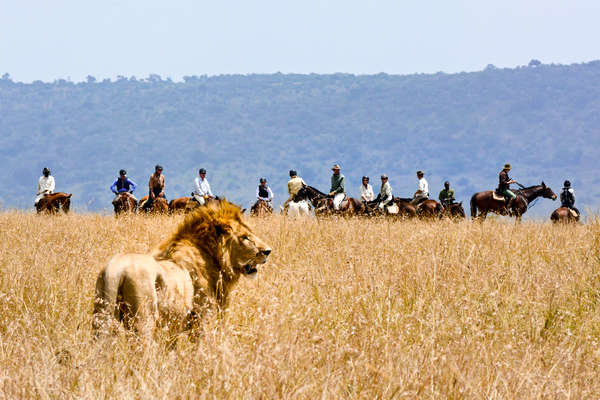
x=343 y=309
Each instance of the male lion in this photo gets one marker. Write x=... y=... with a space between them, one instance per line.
x=194 y=269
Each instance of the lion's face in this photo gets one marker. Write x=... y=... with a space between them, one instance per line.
x=246 y=250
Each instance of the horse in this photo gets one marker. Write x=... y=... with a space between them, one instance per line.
x=297 y=208
x=484 y=202
x=261 y=209
x=454 y=210
x=429 y=208
x=159 y=205
x=405 y=208
x=54 y=202
x=181 y=204
x=323 y=203
x=565 y=215
x=125 y=203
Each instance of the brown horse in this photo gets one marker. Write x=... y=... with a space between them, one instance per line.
x=454 y=210
x=261 y=209
x=181 y=204
x=484 y=202
x=429 y=209
x=54 y=202
x=565 y=215
x=125 y=203
x=159 y=205
x=323 y=203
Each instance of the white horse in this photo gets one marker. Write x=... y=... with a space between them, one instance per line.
x=295 y=209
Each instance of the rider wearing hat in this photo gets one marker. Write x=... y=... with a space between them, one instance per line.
x=156 y=186
x=504 y=185
x=446 y=195
x=366 y=190
x=385 y=193
x=202 y=190
x=337 y=189
x=567 y=197
x=123 y=185
x=46 y=185
x=263 y=193
x=294 y=185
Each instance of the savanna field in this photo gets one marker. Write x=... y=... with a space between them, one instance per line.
x=356 y=308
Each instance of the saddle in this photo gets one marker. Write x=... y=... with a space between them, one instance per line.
x=497 y=196
x=573 y=213
x=393 y=209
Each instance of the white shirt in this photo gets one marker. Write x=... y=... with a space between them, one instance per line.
x=386 y=191
x=423 y=186
x=366 y=193
x=268 y=190
x=202 y=188
x=46 y=185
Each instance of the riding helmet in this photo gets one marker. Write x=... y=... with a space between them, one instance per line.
x=46 y=171
x=567 y=183
x=384 y=176
x=122 y=172
x=158 y=167
x=263 y=180
x=446 y=184
x=202 y=171
x=365 y=178
x=293 y=172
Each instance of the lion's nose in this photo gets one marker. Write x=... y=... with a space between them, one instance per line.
x=266 y=252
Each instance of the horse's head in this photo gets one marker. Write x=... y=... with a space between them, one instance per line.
x=547 y=192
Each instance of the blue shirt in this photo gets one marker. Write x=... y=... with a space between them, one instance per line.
x=126 y=185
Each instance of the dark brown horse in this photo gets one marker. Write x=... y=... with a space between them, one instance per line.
x=53 y=203
x=429 y=209
x=484 y=202
x=405 y=208
x=181 y=204
x=125 y=203
x=261 y=209
x=323 y=203
x=454 y=210
x=159 y=205
x=564 y=215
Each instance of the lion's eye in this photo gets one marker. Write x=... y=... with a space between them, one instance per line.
x=245 y=237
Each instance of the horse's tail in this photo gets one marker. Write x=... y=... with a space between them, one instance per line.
x=108 y=285
x=67 y=203
x=473 y=207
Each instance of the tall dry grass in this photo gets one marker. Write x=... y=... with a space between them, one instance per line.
x=343 y=309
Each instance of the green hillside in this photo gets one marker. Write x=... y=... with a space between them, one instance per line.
x=462 y=127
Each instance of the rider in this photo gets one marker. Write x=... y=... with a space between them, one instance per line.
x=385 y=193
x=123 y=185
x=202 y=190
x=423 y=192
x=504 y=185
x=156 y=186
x=446 y=195
x=366 y=190
x=45 y=185
x=567 y=197
x=294 y=185
x=264 y=193
x=337 y=190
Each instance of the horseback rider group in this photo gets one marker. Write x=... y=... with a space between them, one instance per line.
x=202 y=191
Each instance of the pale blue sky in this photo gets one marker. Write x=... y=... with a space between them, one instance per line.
x=48 y=40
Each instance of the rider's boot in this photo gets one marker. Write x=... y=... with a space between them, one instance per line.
x=509 y=204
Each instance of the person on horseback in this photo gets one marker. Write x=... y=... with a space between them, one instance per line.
x=294 y=185
x=264 y=193
x=446 y=195
x=366 y=190
x=156 y=186
x=422 y=193
x=504 y=185
x=385 y=196
x=123 y=185
x=46 y=185
x=337 y=190
x=567 y=197
x=202 y=190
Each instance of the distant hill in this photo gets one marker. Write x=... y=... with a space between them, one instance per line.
x=544 y=119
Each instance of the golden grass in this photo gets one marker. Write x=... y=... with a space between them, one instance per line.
x=343 y=309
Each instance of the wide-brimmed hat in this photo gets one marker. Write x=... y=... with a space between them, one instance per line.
x=335 y=166
x=507 y=166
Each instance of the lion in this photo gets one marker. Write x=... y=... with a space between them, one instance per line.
x=194 y=270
